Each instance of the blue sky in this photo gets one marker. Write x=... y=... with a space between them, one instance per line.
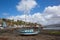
x=8 y=7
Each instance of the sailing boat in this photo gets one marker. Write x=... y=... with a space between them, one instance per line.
x=32 y=30
x=28 y=30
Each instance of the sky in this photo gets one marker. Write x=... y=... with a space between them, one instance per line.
x=37 y=11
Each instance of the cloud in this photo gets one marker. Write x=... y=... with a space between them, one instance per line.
x=5 y=14
x=26 y=5
x=35 y=18
x=52 y=10
x=52 y=14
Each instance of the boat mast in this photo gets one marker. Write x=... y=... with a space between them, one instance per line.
x=25 y=13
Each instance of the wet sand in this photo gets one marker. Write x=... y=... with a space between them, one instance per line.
x=12 y=36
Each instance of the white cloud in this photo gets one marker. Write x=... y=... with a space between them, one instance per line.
x=26 y=5
x=5 y=14
x=52 y=10
x=52 y=14
x=35 y=18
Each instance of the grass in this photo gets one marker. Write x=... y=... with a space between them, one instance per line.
x=53 y=32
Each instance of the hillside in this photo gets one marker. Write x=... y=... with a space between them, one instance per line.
x=53 y=25
x=18 y=22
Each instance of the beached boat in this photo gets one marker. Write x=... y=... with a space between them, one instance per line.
x=28 y=30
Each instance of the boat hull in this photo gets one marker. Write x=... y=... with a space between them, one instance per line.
x=28 y=31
